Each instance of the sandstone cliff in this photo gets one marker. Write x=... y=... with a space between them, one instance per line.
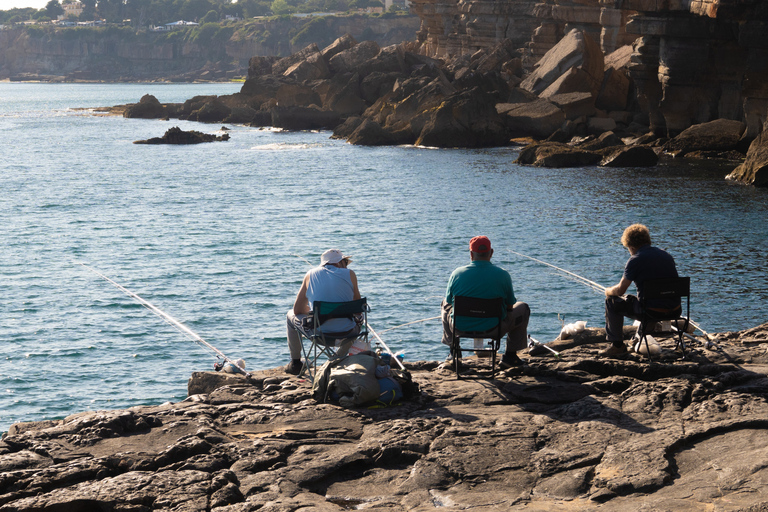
x=212 y=52
x=692 y=62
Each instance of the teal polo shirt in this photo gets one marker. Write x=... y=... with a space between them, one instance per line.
x=483 y=280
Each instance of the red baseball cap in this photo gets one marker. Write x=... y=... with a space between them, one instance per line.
x=480 y=244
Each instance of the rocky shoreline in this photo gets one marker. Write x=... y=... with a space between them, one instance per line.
x=575 y=432
x=574 y=108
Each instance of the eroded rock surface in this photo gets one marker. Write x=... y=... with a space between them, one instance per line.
x=577 y=432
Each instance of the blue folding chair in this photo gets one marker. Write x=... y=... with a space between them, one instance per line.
x=332 y=344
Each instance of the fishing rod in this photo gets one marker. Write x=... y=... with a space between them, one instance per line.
x=533 y=342
x=171 y=321
x=581 y=279
x=302 y=258
x=402 y=367
x=602 y=288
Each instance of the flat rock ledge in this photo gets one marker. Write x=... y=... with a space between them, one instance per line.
x=569 y=433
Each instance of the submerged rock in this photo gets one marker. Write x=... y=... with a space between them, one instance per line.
x=176 y=135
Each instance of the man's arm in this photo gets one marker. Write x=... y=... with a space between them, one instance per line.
x=619 y=289
x=355 y=291
x=301 y=304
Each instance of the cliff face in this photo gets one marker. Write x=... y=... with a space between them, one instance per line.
x=701 y=60
x=693 y=60
x=122 y=54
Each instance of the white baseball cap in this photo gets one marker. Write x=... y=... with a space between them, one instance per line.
x=332 y=256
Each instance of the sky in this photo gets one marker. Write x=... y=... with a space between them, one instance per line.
x=10 y=4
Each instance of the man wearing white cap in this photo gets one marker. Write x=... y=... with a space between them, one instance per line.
x=332 y=281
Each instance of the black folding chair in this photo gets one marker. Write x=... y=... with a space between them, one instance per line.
x=675 y=288
x=331 y=344
x=476 y=308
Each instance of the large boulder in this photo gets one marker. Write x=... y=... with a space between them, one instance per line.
x=261 y=89
x=575 y=51
x=467 y=119
x=176 y=135
x=282 y=65
x=633 y=156
x=313 y=67
x=574 y=105
x=718 y=135
x=376 y=85
x=371 y=133
x=754 y=170
x=148 y=107
x=342 y=43
x=303 y=118
x=604 y=140
x=345 y=99
x=555 y=154
x=349 y=60
x=539 y=119
x=260 y=66
x=388 y=60
x=614 y=91
x=213 y=111
x=293 y=95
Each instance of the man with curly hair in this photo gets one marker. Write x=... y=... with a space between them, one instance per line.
x=645 y=262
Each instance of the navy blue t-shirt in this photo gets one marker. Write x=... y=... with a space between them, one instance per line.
x=651 y=263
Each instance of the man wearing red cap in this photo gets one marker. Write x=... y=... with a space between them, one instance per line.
x=482 y=279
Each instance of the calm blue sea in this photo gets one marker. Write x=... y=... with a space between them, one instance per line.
x=217 y=236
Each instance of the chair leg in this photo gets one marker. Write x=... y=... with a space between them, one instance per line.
x=456 y=352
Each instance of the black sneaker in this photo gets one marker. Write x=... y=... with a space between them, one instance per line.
x=512 y=361
x=294 y=367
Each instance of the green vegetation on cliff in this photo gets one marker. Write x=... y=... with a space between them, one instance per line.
x=145 y=13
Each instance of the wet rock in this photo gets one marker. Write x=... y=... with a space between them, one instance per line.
x=176 y=135
x=213 y=111
x=304 y=118
x=719 y=135
x=148 y=107
x=371 y=133
x=754 y=170
x=633 y=156
x=538 y=118
x=604 y=140
x=554 y=154
x=467 y=119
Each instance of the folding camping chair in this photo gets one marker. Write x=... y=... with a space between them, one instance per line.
x=331 y=344
x=476 y=308
x=666 y=288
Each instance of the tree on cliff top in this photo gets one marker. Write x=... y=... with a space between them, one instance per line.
x=53 y=9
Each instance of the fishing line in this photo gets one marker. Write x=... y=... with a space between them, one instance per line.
x=168 y=319
x=410 y=323
x=583 y=280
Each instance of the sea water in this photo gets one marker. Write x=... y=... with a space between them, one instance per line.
x=219 y=236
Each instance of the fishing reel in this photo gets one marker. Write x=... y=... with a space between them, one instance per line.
x=217 y=366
